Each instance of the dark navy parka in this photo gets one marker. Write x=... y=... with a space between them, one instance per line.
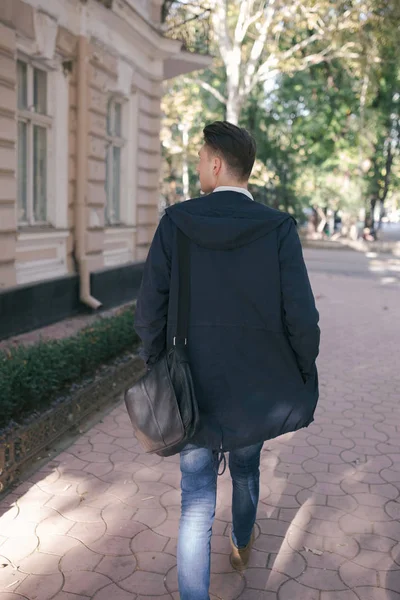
x=253 y=334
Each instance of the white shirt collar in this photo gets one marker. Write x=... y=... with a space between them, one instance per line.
x=231 y=188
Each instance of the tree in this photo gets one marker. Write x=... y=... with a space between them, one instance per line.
x=382 y=105
x=185 y=109
x=258 y=40
x=320 y=93
x=306 y=132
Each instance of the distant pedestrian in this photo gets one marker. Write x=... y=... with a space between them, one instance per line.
x=253 y=341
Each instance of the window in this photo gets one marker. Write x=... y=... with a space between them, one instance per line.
x=115 y=145
x=32 y=145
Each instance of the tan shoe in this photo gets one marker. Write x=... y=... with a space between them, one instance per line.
x=240 y=556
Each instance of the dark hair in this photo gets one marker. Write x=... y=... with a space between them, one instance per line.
x=234 y=144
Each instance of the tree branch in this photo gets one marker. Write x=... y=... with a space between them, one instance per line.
x=245 y=19
x=258 y=46
x=318 y=22
x=264 y=72
x=301 y=45
x=220 y=22
x=272 y=70
x=245 y=8
x=206 y=86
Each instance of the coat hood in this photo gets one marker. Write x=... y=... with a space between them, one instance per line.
x=225 y=220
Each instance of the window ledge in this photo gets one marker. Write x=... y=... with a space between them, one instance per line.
x=119 y=227
x=43 y=228
x=43 y=232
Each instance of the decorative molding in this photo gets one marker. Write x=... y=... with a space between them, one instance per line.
x=96 y=217
x=119 y=244
x=141 y=7
x=28 y=236
x=46 y=28
x=130 y=162
x=121 y=30
x=46 y=268
x=124 y=82
x=120 y=228
x=59 y=161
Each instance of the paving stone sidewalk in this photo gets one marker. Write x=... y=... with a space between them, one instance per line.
x=100 y=520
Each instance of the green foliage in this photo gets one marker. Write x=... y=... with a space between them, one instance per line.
x=31 y=377
x=382 y=106
x=325 y=108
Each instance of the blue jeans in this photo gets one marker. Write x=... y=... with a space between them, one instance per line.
x=199 y=468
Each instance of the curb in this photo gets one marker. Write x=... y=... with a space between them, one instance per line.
x=392 y=248
x=22 y=445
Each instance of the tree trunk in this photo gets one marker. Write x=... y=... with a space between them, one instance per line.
x=323 y=221
x=374 y=188
x=233 y=107
x=234 y=99
x=386 y=186
x=381 y=214
x=232 y=113
x=372 y=213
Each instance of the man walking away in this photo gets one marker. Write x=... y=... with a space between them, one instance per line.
x=253 y=340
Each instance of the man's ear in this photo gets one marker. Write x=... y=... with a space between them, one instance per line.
x=217 y=165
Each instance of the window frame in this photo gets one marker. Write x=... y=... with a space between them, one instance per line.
x=31 y=118
x=114 y=140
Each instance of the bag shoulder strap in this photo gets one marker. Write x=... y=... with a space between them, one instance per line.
x=183 y=305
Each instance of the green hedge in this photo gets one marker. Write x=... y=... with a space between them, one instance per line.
x=31 y=377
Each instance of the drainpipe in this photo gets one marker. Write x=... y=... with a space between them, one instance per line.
x=82 y=176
